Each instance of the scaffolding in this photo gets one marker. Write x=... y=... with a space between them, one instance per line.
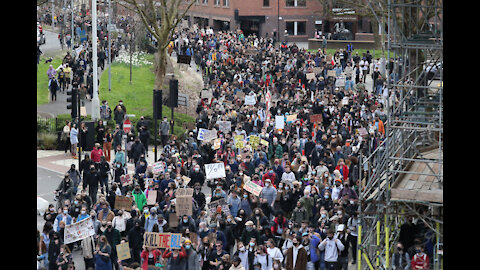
x=404 y=175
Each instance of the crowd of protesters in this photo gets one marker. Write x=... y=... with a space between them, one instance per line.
x=306 y=215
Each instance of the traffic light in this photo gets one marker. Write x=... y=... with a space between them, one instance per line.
x=72 y=102
x=157 y=104
x=173 y=97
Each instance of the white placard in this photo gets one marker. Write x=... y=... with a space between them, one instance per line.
x=279 y=122
x=340 y=82
x=215 y=170
x=78 y=231
x=201 y=134
x=224 y=126
x=250 y=100
x=210 y=135
x=158 y=167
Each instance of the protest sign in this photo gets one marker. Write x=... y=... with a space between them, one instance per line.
x=254 y=141
x=316 y=70
x=213 y=206
x=250 y=100
x=206 y=134
x=224 y=126
x=240 y=94
x=158 y=167
x=184 y=192
x=215 y=170
x=78 y=231
x=123 y=251
x=172 y=220
x=126 y=180
x=152 y=197
x=238 y=139
x=252 y=188
x=264 y=142
x=217 y=143
x=183 y=205
x=345 y=101
x=311 y=76
x=206 y=93
x=123 y=202
x=186 y=179
x=362 y=132
x=340 y=82
x=279 y=122
x=162 y=240
x=291 y=118
x=316 y=118
x=331 y=73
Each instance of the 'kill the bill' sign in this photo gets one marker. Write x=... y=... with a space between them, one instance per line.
x=162 y=240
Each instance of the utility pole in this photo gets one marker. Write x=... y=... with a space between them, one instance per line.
x=109 y=47
x=72 y=37
x=52 y=14
x=95 y=101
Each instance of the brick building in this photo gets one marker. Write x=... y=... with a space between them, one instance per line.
x=301 y=18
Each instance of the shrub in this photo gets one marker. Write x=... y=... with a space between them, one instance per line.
x=47 y=141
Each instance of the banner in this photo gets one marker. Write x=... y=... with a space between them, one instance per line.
x=215 y=170
x=123 y=251
x=123 y=202
x=78 y=231
x=291 y=118
x=279 y=122
x=250 y=100
x=252 y=188
x=126 y=180
x=311 y=76
x=331 y=73
x=162 y=240
x=206 y=93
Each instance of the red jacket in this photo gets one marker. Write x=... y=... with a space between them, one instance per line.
x=283 y=224
x=144 y=256
x=344 y=170
x=420 y=262
x=96 y=154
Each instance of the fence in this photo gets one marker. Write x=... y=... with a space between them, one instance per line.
x=47 y=125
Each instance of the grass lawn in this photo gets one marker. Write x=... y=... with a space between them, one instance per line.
x=376 y=54
x=137 y=97
x=42 y=79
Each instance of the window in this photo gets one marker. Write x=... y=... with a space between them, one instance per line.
x=296 y=28
x=266 y=3
x=296 y=3
x=225 y=3
x=217 y=3
x=205 y=2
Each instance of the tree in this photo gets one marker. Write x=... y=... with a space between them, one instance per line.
x=170 y=15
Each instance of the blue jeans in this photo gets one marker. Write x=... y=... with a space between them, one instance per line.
x=44 y=257
x=348 y=84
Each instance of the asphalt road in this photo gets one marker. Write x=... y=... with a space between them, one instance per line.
x=52 y=45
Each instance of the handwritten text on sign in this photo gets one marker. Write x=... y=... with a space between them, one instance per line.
x=252 y=188
x=215 y=170
x=162 y=240
x=78 y=231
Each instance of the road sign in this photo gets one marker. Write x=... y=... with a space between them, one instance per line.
x=182 y=99
x=127 y=126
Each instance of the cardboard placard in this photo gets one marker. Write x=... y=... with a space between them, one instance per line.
x=316 y=70
x=183 y=205
x=78 y=231
x=212 y=207
x=215 y=170
x=264 y=142
x=217 y=143
x=123 y=202
x=238 y=139
x=240 y=94
x=252 y=188
x=123 y=251
x=126 y=180
x=152 y=197
x=206 y=93
x=162 y=240
x=184 y=192
x=311 y=76
x=291 y=118
x=331 y=73
x=172 y=220
x=186 y=179
x=316 y=118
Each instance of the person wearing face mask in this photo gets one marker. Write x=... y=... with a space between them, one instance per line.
x=332 y=246
x=400 y=259
x=187 y=223
x=65 y=189
x=83 y=214
x=75 y=176
x=191 y=260
x=103 y=252
x=113 y=237
x=135 y=241
x=196 y=176
x=237 y=264
x=151 y=220
x=343 y=256
x=249 y=232
x=50 y=214
x=269 y=192
x=62 y=216
x=296 y=256
x=420 y=260
x=92 y=179
x=139 y=196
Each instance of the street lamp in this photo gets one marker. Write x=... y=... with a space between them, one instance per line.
x=286 y=37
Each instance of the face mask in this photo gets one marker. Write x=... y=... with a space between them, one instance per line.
x=324 y=216
x=245 y=196
x=287 y=188
x=188 y=246
x=330 y=237
x=242 y=249
x=249 y=228
x=326 y=196
x=267 y=184
x=252 y=244
x=185 y=220
x=197 y=169
x=65 y=211
x=83 y=212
